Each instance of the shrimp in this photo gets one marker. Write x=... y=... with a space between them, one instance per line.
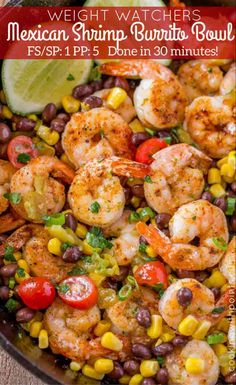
x=70 y=333
x=199 y=77
x=126 y=110
x=160 y=99
x=97 y=133
x=229 y=81
x=123 y=314
x=175 y=364
x=6 y=172
x=34 y=239
x=210 y=121
x=198 y=219
x=227 y=263
x=40 y=193
x=126 y=243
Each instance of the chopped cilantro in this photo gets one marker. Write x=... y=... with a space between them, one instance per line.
x=20 y=272
x=134 y=217
x=218 y=310
x=11 y=305
x=14 y=197
x=95 y=207
x=96 y=239
x=159 y=288
x=160 y=360
x=70 y=77
x=142 y=247
x=65 y=246
x=76 y=271
x=63 y=288
x=23 y=158
x=8 y=254
x=167 y=139
x=148 y=179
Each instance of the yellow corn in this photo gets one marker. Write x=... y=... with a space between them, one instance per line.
x=155 y=330
x=84 y=106
x=20 y=279
x=215 y=280
x=2 y=97
x=194 y=365
x=214 y=176
x=217 y=190
x=44 y=149
x=227 y=170
x=110 y=341
x=64 y=235
x=89 y=371
x=167 y=337
x=97 y=278
x=50 y=137
x=150 y=252
x=124 y=380
x=227 y=179
x=133 y=181
x=149 y=368
x=223 y=325
x=32 y=117
x=202 y=330
x=65 y=159
x=43 y=339
x=144 y=218
x=188 y=325
x=87 y=249
x=158 y=342
x=54 y=246
x=135 y=201
x=136 y=126
x=222 y=161
x=70 y=104
x=136 y=379
x=104 y=365
x=219 y=349
x=35 y=329
x=17 y=255
x=232 y=159
x=23 y=265
x=6 y=112
x=81 y=231
x=76 y=366
x=116 y=97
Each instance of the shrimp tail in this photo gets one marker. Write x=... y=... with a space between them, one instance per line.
x=10 y=221
x=64 y=172
x=156 y=238
x=128 y=168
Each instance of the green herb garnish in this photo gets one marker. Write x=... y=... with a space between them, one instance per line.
x=132 y=281
x=159 y=288
x=148 y=179
x=134 y=217
x=8 y=254
x=63 y=288
x=23 y=158
x=76 y=271
x=11 y=283
x=218 y=310
x=11 y=305
x=160 y=360
x=65 y=246
x=70 y=77
x=95 y=207
x=146 y=211
x=216 y=338
x=231 y=204
x=20 y=272
x=14 y=197
x=220 y=243
x=142 y=247
x=96 y=239
x=150 y=132
x=124 y=292
x=55 y=219
x=167 y=139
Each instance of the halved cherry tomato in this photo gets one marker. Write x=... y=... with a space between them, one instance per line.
x=79 y=292
x=148 y=148
x=37 y=292
x=151 y=273
x=21 y=145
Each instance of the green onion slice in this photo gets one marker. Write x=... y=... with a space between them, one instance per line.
x=124 y=292
x=231 y=203
x=220 y=243
x=55 y=219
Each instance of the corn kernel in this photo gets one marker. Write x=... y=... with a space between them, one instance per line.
x=232 y=159
x=50 y=137
x=6 y=112
x=136 y=379
x=66 y=160
x=155 y=330
x=135 y=201
x=227 y=179
x=20 y=278
x=104 y=365
x=17 y=255
x=76 y=366
x=222 y=161
x=215 y=280
x=188 y=325
x=2 y=97
x=149 y=368
x=136 y=126
x=54 y=246
x=35 y=329
x=43 y=339
x=223 y=325
x=219 y=349
x=151 y=252
x=70 y=104
x=194 y=365
x=167 y=337
x=158 y=342
x=202 y=330
x=84 y=106
x=214 y=176
x=97 y=278
x=81 y=231
x=110 y=341
x=227 y=170
x=124 y=380
x=89 y=371
x=217 y=190
x=87 y=249
x=23 y=265
x=116 y=97
x=32 y=117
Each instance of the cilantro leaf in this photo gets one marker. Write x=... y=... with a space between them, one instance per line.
x=23 y=158
x=8 y=254
x=95 y=207
x=14 y=197
x=96 y=239
x=70 y=77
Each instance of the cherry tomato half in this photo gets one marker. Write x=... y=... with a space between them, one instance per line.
x=79 y=292
x=21 y=145
x=147 y=149
x=37 y=292
x=151 y=273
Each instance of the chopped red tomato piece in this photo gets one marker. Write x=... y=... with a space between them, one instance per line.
x=148 y=148
x=20 y=150
x=151 y=273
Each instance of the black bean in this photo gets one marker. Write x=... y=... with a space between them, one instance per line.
x=71 y=221
x=108 y=284
x=163 y=134
x=148 y=381
x=93 y=101
x=143 y=240
x=49 y=113
x=233 y=187
x=58 y=125
x=139 y=137
x=144 y=317
x=221 y=203
x=58 y=148
x=162 y=376
x=231 y=378
x=163 y=349
x=4 y=293
x=109 y=82
x=127 y=193
x=97 y=85
x=124 y=270
x=5 y=133
x=82 y=90
x=185 y=273
x=207 y=196
x=233 y=223
x=25 y=314
x=201 y=275
x=16 y=292
x=184 y=296
x=8 y=270
x=72 y=254
x=122 y=83
x=179 y=341
x=216 y=292
x=141 y=350
x=138 y=190
x=63 y=116
x=117 y=372
x=162 y=220
x=24 y=124
x=3 y=151
x=131 y=367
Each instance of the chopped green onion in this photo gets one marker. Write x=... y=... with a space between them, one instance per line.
x=95 y=207
x=142 y=247
x=76 y=271
x=160 y=360
x=231 y=203
x=146 y=211
x=11 y=305
x=167 y=139
x=132 y=281
x=220 y=243
x=23 y=158
x=70 y=77
x=11 y=283
x=8 y=254
x=20 y=272
x=216 y=338
x=150 y=132
x=174 y=133
x=14 y=197
x=124 y=292
x=65 y=246
x=55 y=219
x=148 y=179
x=218 y=310
x=134 y=217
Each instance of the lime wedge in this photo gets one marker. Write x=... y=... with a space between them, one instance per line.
x=124 y=3
x=31 y=84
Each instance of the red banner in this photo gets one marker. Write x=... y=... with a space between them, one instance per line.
x=117 y=32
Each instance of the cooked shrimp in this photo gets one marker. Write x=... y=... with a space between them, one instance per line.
x=34 y=239
x=126 y=110
x=126 y=243
x=229 y=81
x=228 y=262
x=70 y=333
x=232 y=333
x=199 y=77
x=40 y=193
x=198 y=219
x=6 y=172
x=98 y=133
x=210 y=121
x=10 y=221
x=175 y=364
x=160 y=99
